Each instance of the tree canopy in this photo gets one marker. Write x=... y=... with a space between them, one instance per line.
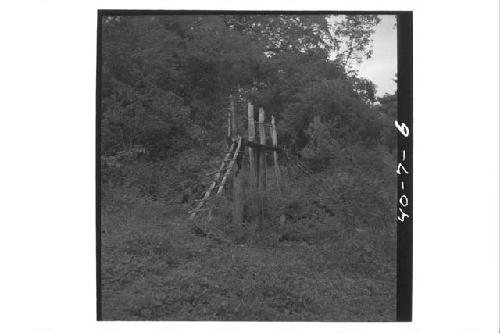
x=166 y=79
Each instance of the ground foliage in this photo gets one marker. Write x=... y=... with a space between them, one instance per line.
x=327 y=249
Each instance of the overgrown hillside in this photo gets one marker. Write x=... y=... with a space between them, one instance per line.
x=327 y=248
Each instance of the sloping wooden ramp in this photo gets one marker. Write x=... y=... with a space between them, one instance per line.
x=226 y=168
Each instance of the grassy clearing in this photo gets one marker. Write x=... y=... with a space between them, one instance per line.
x=155 y=268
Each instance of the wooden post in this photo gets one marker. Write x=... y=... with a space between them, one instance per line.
x=261 y=168
x=262 y=155
x=251 y=138
x=274 y=137
x=229 y=124
x=234 y=121
x=237 y=175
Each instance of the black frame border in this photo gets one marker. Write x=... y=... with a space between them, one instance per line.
x=405 y=157
x=405 y=115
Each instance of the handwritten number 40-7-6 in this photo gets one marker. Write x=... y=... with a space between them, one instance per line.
x=403 y=200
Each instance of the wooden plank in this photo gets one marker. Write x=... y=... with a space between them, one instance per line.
x=262 y=155
x=259 y=146
x=261 y=170
x=228 y=123
x=237 y=175
x=230 y=166
x=234 y=121
x=251 y=138
x=274 y=137
x=237 y=197
x=212 y=185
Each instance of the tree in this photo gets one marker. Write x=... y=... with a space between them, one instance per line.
x=353 y=38
x=166 y=79
x=284 y=33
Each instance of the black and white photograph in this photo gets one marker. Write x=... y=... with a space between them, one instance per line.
x=248 y=167
x=269 y=166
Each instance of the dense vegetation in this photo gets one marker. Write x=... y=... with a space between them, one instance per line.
x=165 y=87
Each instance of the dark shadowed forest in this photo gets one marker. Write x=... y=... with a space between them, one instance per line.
x=326 y=247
